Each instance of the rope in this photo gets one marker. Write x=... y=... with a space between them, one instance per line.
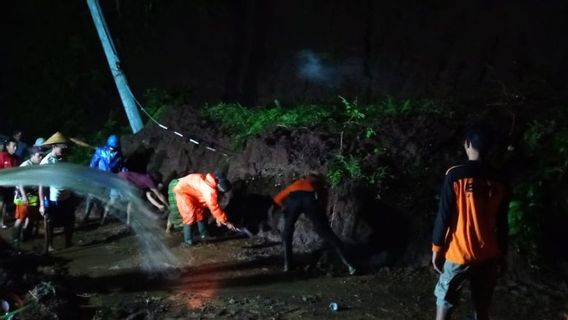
x=208 y=145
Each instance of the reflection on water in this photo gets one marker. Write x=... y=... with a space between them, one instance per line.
x=156 y=257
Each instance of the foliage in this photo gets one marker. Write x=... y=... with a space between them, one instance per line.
x=245 y=122
x=347 y=118
x=158 y=101
x=539 y=190
x=350 y=167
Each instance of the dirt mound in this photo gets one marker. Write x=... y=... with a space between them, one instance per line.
x=377 y=219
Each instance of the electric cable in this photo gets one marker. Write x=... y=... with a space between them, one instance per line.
x=208 y=145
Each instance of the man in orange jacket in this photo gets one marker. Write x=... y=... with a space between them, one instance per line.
x=196 y=192
x=308 y=195
x=470 y=231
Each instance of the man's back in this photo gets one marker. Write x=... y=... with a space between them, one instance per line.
x=472 y=209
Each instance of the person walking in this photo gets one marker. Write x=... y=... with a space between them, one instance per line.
x=470 y=230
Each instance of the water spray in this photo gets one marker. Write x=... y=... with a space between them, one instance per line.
x=156 y=257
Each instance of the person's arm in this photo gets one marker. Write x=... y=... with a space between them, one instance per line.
x=445 y=209
x=23 y=193
x=41 y=203
x=95 y=159
x=151 y=195
x=216 y=211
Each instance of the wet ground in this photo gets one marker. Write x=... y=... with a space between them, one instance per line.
x=241 y=278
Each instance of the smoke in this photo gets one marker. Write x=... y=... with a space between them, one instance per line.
x=156 y=257
x=313 y=68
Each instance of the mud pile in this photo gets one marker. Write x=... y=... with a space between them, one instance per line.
x=387 y=221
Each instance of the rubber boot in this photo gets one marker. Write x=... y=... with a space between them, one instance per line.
x=202 y=230
x=187 y=237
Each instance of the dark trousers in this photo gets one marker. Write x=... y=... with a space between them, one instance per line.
x=299 y=202
x=60 y=214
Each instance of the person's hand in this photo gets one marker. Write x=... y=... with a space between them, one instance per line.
x=230 y=226
x=438 y=261
x=42 y=210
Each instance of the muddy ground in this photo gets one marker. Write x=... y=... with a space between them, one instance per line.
x=232 y=277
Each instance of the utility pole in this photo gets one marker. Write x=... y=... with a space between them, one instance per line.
x=124 y=91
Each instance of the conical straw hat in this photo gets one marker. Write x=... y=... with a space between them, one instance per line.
x=56 y=138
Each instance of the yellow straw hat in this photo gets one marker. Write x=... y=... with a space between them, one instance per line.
x=56 y=138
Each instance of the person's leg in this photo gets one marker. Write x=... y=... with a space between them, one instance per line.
x=292 y=210
x=317 y=216
x=128 y=212
x=187 y=211
x=483 y=280
x=48 y=234
x=68 y=210
x=187 y=235
x=202 y=229
x=21 y=215
x=89 y=203
x=448 y=288
x=113 y=200
x=17 y=233
x=168 y=226
x=2 y=209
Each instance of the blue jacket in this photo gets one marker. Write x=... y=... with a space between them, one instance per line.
x=105 y=160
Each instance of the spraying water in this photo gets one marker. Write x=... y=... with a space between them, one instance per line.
x=156 y=257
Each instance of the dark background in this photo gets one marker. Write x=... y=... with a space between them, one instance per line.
x=54 y=76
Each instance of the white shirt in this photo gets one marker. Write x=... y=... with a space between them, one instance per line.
x=55 y=193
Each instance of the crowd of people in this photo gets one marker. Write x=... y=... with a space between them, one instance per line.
x=470 y=230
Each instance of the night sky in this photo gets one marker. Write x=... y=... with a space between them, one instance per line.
x=54 y=74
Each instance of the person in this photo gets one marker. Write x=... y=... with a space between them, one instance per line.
x=108 y=158
x=148 y=184
x=308 y=196
x=470 y=230
x=26 y=201
x=58 y=207
x=196 y=192
x=8 y=159
x=174 y=217
x=22 y=150
x=39 y=142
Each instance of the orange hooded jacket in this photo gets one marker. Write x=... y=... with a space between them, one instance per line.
x=196 y=192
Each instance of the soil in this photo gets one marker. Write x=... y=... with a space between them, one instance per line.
x=232 y=277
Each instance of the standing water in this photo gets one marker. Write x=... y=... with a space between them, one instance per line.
x=156 y=257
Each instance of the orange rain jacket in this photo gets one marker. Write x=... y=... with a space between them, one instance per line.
x=196 y=192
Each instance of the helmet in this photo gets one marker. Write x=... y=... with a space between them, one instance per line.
x=112 y=141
